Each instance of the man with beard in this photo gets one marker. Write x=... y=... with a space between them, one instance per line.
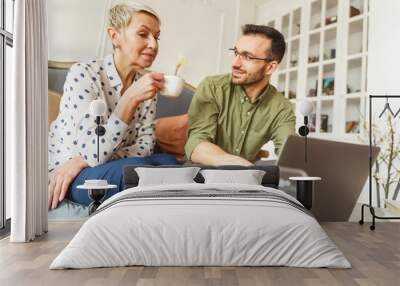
x=232 y=116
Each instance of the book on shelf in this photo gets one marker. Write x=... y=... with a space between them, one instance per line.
x=324 y=123
x=312 y=119
x=328 y=85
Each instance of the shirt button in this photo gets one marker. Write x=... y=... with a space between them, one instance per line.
x=237 y=149
x=242 y=131
x=248 y=112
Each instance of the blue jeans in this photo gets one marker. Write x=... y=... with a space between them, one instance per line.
x=112 y=172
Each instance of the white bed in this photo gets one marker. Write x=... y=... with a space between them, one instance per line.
x=203 y=225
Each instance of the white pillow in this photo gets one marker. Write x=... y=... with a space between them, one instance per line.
x=248 y=177
x=163 y=176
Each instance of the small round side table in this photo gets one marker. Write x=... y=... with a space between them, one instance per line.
x=96 y=194
x=304 y=189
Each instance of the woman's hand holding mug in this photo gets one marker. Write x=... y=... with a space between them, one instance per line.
x=144 y=89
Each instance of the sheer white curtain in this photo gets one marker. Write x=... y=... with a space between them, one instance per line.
x=104 y=46
x=26 y=123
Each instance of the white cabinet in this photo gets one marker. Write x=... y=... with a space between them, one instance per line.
x=325 y=61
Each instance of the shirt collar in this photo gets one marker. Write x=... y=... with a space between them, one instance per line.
x=263 y=95
x=111 y=71
x=260 y=98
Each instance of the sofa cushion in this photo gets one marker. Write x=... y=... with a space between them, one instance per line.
x=171 y=134
x=53 y=105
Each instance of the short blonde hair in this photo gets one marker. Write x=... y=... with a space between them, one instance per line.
x=120 y=15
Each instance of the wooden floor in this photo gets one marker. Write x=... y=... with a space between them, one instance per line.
x=375 y=257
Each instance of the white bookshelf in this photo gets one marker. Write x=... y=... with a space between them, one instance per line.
x=326 y=61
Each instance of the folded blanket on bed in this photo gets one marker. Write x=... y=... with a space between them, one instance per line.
x=201 y=224
x=205 y=194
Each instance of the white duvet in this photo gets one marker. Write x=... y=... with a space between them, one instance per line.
x=267 y=229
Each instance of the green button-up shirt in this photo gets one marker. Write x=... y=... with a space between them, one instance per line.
x=221 y=113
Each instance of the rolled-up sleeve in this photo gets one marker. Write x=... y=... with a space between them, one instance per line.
x=284 y=126
x=80 y=90
x=203 y=115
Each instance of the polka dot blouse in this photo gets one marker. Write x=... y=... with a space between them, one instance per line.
x=72 y=133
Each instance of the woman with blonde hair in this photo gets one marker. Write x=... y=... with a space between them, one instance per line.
x=134 y=31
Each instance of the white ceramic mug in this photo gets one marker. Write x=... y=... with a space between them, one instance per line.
x=173 y=86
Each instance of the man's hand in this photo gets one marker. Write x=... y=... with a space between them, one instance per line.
x=61 y=178
x=229 y=159
x=207 y=153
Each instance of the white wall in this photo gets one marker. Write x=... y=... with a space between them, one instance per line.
x=202 y=30
x=383 y=51
x=74 y=28
x=273 y=8
x=383 y=57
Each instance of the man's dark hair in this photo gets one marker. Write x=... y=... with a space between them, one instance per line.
x=278 y=45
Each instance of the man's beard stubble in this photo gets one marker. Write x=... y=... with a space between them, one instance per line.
x=251 y=79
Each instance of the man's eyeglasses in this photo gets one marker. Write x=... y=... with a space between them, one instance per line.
x=245 y=56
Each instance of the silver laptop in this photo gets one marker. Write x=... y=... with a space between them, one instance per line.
x=343 y=167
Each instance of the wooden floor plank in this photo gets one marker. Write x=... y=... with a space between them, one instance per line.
x=374 y=255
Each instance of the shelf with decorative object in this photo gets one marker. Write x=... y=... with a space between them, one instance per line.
x=313 y=48
x=330 y=37
x=353 y=115
x=356 y=9
x=326 y=62
x=328 y=80
x=326 y=116
x=316 y=15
